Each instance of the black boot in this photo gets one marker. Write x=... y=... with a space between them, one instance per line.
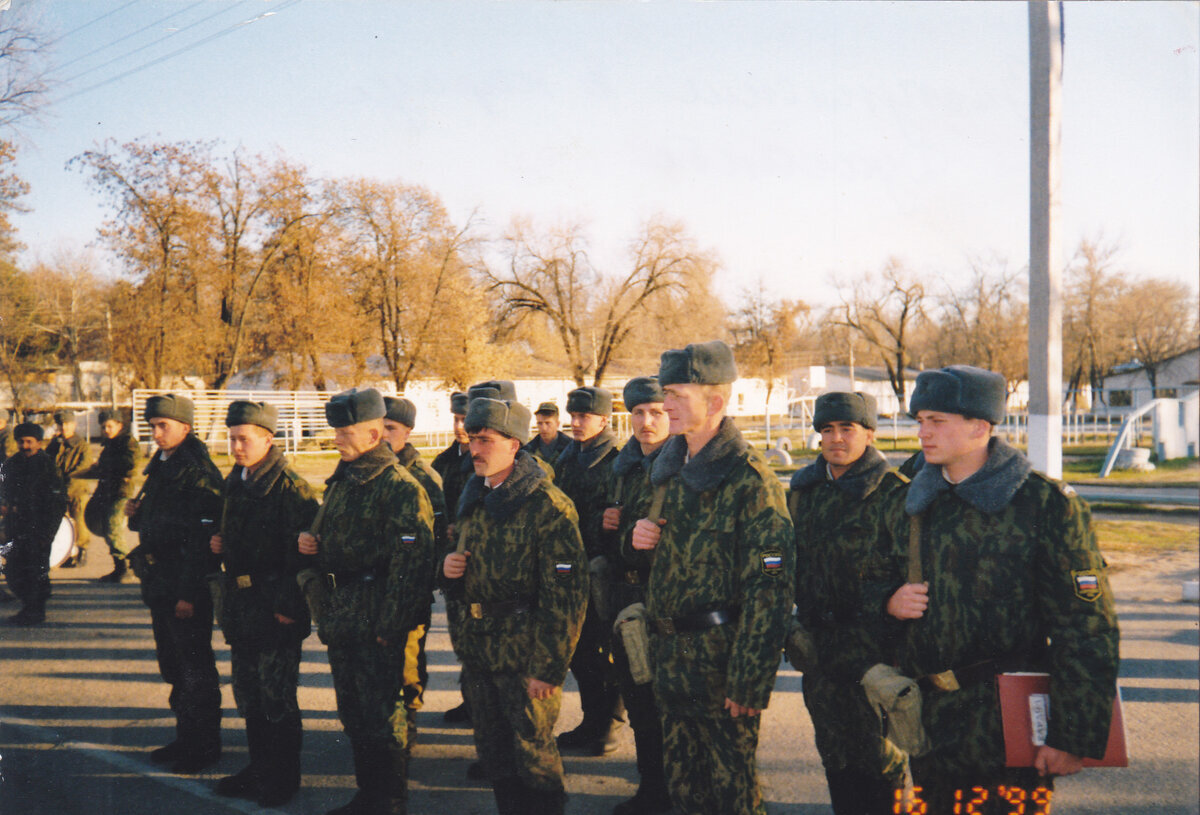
x=603 y=718
x=393 y=782
x=651 y=795
x=509 y=795
x=542 y=802
x=458 y=715
x=117 y=575
x=201 y=745
x=172 y=751
x=246 y=782
x=281 y=779
x=362 y=779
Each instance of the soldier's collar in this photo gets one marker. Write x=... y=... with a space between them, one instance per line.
x=708 y=468
x=857 y=482
x=366 y=466
x=631 y=456
x=503 y=501
x=989 y=489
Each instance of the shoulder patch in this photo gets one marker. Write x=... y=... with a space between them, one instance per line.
x=1066 y=489
x=563 y=570
x=408 y=540
x=1086 y=584
x=772 y=563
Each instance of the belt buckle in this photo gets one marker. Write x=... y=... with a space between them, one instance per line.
x=633 y=578
x=331 y=579
x=243 y=581
x=945 y=681
x=666 y=625
x=149 y=559
x=477 y=611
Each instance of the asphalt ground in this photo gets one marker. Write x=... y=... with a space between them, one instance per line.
x=81 y=703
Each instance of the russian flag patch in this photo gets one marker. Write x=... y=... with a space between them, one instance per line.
x=562 y=568
x=1087 y=585
x=407 y=539
x=772 y=564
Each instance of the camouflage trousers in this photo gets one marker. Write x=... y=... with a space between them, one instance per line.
x=106 y=519
x=514 y=735
x=265 y=680
x=848 y=732
x=27 y=568
x=711 y=764
x=367 y=683
x=77 y=493
x=1016 y=789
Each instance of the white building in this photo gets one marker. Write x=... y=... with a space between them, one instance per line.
x=1128 y=387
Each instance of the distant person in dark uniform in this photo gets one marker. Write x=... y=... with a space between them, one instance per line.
x=71 y=458
x=113 y=471
x=549 y=442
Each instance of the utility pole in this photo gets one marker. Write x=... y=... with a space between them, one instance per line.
x=1045 y=250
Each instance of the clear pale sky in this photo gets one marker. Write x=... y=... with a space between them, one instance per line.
x=801 y=141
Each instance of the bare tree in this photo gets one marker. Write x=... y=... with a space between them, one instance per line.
x=23 y=348
x=768 y=335
x=24 y=72
x=70 y=312
x=1095 y=335
x=984 y=322
x=592 y=314
x=883 y=310
x=1161 y=315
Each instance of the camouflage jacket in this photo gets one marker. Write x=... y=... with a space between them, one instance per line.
x=1014 y=576
x=842 y=541
x=71 y=456
x=525 y=547
x=33 y=498
x=177 y=516
x=260 y=519
x=376 y=540
x=114 y=468
x=410 y=459
x=548 y=453
x=455 y=468
x=583 y=472
x=727 y=546
x=630 y=490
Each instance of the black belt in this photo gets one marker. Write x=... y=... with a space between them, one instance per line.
x=697 y=621
x=353 y=576
x=500 y=608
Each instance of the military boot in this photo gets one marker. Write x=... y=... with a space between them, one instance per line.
x=245 y=783
x=362 y=779
x=651 y=796
x=393 y=785
x=201 y=744
x=118 y=574
x=282 y=777
x=172 y=751
x=509 y=795
x=542 y=802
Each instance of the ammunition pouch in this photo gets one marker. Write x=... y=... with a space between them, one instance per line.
x=896 y=699
x=633 y=629
x=312 y=584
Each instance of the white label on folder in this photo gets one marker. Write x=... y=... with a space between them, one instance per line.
x=1039 y=717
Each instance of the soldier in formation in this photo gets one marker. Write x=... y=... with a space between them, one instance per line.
x=842 y=506
x=630 y=496
x=8 y=443
x=516 y=590
x=113 y=471
x=72 y=457
x=1002 y=574
x=32 y=500
x=721 y=587
x=398 y=422
x=266 y=505
x=175 y=515
x=583 y=472
x=549 y=442
x=367 y=569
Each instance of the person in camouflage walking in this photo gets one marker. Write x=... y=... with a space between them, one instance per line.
x=719 y=597
x=113 y=471
x=583 y=472
x=549 y=442
x=264 y=617
x=630 y=496
x=175 y=516
x=1010 y=579
x=841 y=505
x=398 y=423
x=72 y=456
x=516 y=590
x=372 y=549
x=32 y=501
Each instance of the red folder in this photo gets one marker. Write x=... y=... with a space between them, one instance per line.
x=1025 y=711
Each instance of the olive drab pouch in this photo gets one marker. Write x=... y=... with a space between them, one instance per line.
x=312 y=583
x=896 y=699
x=801 y=648
x=634 y=631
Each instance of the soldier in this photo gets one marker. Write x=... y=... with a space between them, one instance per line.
x=372 y=546
x=549 y=442
x=720 y=590
x=629 y=499
x=583 y=472
x=516 y=590
x=450 y=463
x=841 y=505
x=113 y=471
x=72 y=457
x=264 y=617
x=32 y=508
x=398 y=423
x=175 y=515
x=1006 y=577
x=8 y=444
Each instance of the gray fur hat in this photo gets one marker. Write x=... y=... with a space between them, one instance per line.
x=400 y=410
x=506 y=417
x=29 y=429
x=112 y=415
x=64 y=416
x=590 y=400
x=179 y=408
x=353 y=407
x=962 y=389
x=501 y=389
x=262 y=414
x=458 y=403
x=699 y=363
x=640 y=390
x=840 y=406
